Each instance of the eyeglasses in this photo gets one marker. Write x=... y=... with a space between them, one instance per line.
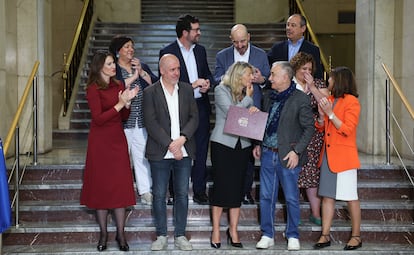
x=196 y=29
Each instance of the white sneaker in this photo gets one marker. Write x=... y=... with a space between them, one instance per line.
x=293 y=244
x=183 y=244
x=159 y=244
x=146 y=198
x=265 y=242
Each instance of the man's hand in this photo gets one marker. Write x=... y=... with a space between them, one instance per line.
x=292 y=158
x=175 y=147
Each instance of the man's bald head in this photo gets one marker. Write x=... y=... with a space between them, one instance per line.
x=240 y=38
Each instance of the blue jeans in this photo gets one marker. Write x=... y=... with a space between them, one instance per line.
x=271 y=174
x=160 y=172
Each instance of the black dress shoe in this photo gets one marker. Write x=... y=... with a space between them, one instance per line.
x=230 y=240
x=248 y=199
x=122 y=247
x=318 y=246
x=101 y=247
x=354 y=247
x=215 y=245
x=102 y=243
x=201 y=198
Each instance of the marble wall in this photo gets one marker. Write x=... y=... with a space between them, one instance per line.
x=26 y=40
x=383 y=35
x=260 y=11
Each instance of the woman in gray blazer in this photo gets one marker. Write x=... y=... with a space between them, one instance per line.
x=230 y=153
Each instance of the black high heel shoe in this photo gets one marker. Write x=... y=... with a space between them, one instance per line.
x=230 y=240
x=122 y=247
x=318 y=246
x=214 y=245
x=354 y=247
x=102 y=244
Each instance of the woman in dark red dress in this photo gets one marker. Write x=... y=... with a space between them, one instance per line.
x=107 y=181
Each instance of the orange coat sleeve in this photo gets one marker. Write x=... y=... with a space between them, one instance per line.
x=340 y=144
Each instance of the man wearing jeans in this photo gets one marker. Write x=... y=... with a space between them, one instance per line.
x=289 y=129
x=171 y=119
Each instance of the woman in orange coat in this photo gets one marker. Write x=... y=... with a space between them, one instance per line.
x=339 y=117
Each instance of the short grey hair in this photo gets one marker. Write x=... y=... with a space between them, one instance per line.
x=286 y=67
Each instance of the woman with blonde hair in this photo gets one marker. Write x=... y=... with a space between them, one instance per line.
x=230 y=153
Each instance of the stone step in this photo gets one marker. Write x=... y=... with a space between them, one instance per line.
x=70 y=190
x=199 y=232
x=137 y=247
x=213 y=11
x=64 y=210
x=69 y=171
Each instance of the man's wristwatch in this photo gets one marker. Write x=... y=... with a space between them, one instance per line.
x=331 y=116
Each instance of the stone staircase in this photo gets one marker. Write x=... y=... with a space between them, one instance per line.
x=53 y=222
x=51 y=219
x=149 y=38
x=217 y=11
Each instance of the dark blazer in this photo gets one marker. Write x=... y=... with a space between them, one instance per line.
x=296 y=125
x=202 y=66
x=257 y=58
x=279 y=52
x=158 y=123
x=225 y=58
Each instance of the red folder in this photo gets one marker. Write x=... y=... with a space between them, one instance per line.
x=242 y=123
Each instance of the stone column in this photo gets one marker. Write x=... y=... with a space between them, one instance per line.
x=33 y=25
x=374 y=44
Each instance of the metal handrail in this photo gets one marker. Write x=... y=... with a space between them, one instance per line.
x=313 y=36
x=388 y=114
x=20 y=107
x=14 y=131
x=399 y=91
x=72 y=60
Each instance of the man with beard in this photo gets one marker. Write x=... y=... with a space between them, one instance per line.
x=194 y=70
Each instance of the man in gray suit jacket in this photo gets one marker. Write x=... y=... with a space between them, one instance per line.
x=289 y=129
x=171 y=119
x=243 y=50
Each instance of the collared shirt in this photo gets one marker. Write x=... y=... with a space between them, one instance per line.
x=174 y=111
x=299 y=87
x=293 y=49
x=136 y=116
x=244 y=57
x=191 y=65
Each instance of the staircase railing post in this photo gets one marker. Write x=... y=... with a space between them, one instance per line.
x=387 y=123
x=35 y=120
x=16 y=177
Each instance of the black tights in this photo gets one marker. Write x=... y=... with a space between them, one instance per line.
x=102 y=217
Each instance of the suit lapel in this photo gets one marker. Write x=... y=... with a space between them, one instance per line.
x=160 y=95
x=183 y=67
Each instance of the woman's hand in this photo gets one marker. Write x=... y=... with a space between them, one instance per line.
x=257 y=152
x=249 y=90
x=253 y=109
x=310 y=83
x=326 y=107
